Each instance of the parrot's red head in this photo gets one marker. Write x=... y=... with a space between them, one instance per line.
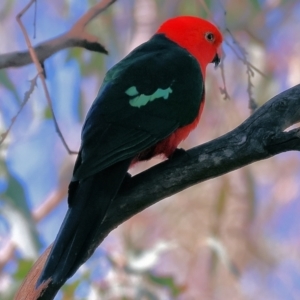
x=200 y=37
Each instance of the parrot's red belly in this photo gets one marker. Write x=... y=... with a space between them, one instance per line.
x=169 y=144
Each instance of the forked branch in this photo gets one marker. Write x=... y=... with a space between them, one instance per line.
x=77 y=36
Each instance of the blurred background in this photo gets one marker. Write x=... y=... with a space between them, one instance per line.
x=233 y=237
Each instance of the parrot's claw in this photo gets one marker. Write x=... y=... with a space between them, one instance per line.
x=179 y=153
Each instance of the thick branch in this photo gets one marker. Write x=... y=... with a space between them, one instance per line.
x=259 y=137
x=75 y=37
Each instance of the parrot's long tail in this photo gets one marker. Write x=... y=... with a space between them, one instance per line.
x=80 y=231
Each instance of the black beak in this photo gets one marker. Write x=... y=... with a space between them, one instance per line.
x=216 y=60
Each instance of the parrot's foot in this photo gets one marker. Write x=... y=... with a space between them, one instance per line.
x=179 y=153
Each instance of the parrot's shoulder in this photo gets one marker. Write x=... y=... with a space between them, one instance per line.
x=157 y=54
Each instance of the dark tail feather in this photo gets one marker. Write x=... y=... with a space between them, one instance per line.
x=79 y=234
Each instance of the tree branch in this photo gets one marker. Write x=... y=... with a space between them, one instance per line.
x=24 y=102
x=41 y=73
x=261 y=136
x=75 y=37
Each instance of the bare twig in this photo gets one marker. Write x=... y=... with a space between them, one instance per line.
x=236 y=42
x=223 y=90
x=25 y=100
x=241 y=54
x=34 y=19
x=75 y=37
x=50 y=203
x=41 y=73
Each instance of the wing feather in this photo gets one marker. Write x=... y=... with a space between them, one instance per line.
x=115 y=130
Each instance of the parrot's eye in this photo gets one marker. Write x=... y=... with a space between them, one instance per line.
x=210 y=37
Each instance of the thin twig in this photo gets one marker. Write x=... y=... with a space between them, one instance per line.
x=34 y=19
x=25 y=100
x=50 y=203
x=224 y=90
x=241 y=54
x=41 y=73
x=244 y=60
x=249 y=71
x=75 y=37
x=235 y=41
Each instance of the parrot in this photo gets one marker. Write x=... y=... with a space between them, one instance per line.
x=147 y=104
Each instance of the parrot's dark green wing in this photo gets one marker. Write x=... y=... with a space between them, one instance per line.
x=144 y=98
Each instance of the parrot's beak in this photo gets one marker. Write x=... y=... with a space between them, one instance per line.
x=217 y=58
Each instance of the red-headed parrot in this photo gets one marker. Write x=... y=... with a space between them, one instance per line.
x=148 y=103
